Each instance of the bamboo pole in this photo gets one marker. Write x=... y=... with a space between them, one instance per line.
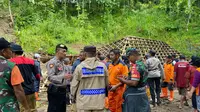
x=10 y=11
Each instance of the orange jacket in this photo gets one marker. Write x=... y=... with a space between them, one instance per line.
x=169 y=72
x=117 y=71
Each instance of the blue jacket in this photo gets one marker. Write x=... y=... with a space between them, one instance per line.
x=75 y=64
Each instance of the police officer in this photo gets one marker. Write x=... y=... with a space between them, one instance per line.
x=58 y=78
x=89 y=83
x=10 y=80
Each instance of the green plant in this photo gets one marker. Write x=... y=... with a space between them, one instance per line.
x=43 y=23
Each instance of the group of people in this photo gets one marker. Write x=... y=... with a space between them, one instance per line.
x=19 y=79
x=119 y=83
x=94 y=82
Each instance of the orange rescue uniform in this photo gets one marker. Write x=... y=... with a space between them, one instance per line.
x=169 y=72
x=169 y=77
x=115 y=98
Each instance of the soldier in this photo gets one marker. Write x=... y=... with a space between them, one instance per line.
x=135 y=98
x=10 y=80
x=89 y=83
x=58 y=78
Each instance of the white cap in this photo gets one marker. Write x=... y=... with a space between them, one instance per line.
x=36 y=55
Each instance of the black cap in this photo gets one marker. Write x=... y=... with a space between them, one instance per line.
x=196 y=61
x=152 y=52
x=90 y=49
x=174 y=55
x=62 y=46
x=4 y=43
x=16 y=48
x=182 y=57
x=146 y=56
x=193 y=58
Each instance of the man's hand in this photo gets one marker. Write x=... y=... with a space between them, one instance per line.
x=114 y=88
x=121 y=79
x=73 y=99
x=19 y=93
x=68 y=76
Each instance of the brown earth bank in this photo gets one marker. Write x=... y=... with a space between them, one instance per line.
x=6 y=26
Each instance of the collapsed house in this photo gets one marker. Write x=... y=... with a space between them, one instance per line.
x=143 y=45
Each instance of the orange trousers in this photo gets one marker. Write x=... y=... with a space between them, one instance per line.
x=115 y=100
x=106 y=103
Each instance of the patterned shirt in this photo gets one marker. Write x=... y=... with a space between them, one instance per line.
x=138 y=72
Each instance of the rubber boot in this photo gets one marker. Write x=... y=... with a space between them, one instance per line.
x=171 y=98
x=37 y=96
x=164 y=93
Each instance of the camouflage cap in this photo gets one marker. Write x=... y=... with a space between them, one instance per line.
x=130 y=51
x=169 y=57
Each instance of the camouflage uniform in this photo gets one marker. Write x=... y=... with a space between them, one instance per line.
x=136 y=93
x=8 y=100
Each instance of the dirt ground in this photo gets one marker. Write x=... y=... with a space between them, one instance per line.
x=165 y=107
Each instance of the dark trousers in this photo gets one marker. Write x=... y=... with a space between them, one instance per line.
x=152 y=82
x=194 y=101
x=68 y=95
x=56 y=99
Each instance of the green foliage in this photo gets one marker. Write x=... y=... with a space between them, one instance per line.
x=44 y=23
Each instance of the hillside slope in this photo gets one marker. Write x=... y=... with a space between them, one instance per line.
x=6 y=29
